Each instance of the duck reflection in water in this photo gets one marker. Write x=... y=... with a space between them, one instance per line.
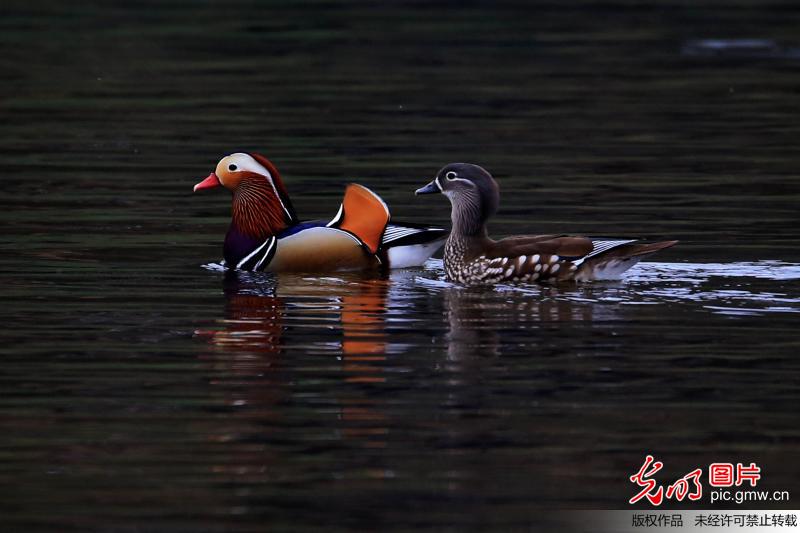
x=263 y=310
x=486 y=321
x=308 y=361
x=268 y=319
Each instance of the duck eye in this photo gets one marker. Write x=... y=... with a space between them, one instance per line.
x=232 y=168
x=451 y=175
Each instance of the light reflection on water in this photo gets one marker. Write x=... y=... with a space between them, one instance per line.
x=261 y=306
x=391 y=365
x=724 y=288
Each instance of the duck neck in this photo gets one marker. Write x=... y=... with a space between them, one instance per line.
x=257 y=210
x=468 y=216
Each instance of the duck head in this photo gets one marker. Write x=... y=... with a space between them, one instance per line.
x=473 y=193
x=261 y=205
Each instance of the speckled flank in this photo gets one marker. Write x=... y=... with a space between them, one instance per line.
x=482 y=270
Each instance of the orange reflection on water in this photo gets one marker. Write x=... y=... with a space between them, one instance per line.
x=263 y=320
x=364 y=336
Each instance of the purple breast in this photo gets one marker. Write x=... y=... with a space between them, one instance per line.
x=238 y=245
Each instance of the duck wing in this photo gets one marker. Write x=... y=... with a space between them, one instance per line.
x=572 y=247
x=362 y=214
x=410 y=245
x=408 y=233
x=564 y=257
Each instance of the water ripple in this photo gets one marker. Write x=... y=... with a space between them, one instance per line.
x=734 y=289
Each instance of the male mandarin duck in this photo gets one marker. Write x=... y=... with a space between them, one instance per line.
x=471 y=257
x=266 y=235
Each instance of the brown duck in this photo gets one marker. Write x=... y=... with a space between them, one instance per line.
x=471 y=257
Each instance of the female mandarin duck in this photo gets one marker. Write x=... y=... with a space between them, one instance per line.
x=265 y=233
x=471 y=257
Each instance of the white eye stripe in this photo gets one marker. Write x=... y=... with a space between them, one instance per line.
x=248 y=163
x=464 y=180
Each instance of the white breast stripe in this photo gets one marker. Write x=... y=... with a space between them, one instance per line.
x=254 y=252
x=272 y=243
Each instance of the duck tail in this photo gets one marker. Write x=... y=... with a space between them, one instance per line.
x=362 y=214
x=613 y=262
x=641 y=250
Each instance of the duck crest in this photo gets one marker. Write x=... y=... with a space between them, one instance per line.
x=280 y=188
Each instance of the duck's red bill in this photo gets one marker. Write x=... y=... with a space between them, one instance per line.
x=209 y=183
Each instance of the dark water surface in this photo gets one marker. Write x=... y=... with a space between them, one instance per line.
x=144 y=392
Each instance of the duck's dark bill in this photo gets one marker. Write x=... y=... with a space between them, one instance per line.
x=428 y=189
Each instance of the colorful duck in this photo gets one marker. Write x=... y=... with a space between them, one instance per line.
x=471 y=257
x=266 y=235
